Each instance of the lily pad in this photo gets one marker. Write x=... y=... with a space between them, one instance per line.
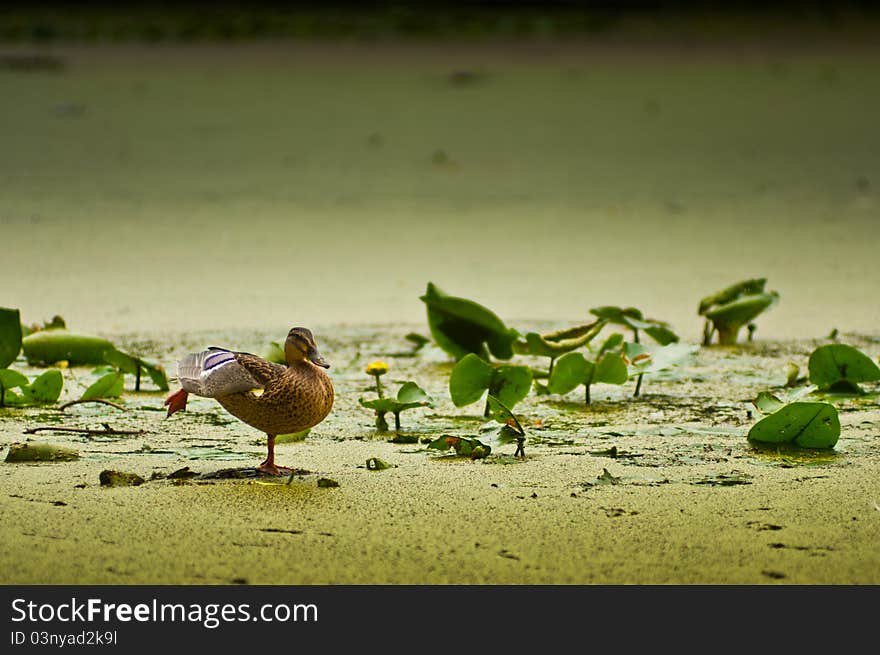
x=461 y=326
x=653 y=359
x=49 y=346
x=109 y=385
x=472 y=377
x=767 y=403
x=46 y=388
x=555 y=344
x=730 y=309
x=134 y=365
x=633 y=318
x=463 y=446
x=292 y=437
x=573 y=370
x=835 y=365
x=10 y=335
x=9 y=380
x=805 y=424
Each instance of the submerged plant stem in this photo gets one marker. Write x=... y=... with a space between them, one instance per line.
x=587 y=395
x=61 y=408
x=397 y=421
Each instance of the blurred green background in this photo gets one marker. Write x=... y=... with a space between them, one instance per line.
x=177 y=168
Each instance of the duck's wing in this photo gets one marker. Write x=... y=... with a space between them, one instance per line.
x=218 y=372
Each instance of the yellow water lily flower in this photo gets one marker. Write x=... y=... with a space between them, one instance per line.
x=377 y=368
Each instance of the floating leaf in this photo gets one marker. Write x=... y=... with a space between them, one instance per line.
x=767 y=403
x=10 y=336
x=734 y=291
x=808 y=425
x=10 y=379
x=50 y=346
x=555 y=344
x=40 y=452
x=293 y=436
x=45 y=389
x=573 y=370
x=837 y=364
x=737 y=305
x=461 y=326
x=109 y=385
x=635 y=320
x=274 y=353
x=134 y=365
x=610 y=343
x=472 y=376
x=463 y=446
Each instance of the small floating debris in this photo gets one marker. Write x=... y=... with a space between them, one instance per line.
x=109 y=478
x=327 y=483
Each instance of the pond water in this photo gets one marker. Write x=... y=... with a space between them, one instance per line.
x=261 y=187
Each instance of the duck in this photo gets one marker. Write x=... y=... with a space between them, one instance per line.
x=273 y=398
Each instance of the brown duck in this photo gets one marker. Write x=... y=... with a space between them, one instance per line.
x=294 y=397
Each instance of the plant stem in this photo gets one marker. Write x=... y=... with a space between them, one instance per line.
x=635 y=335
x=61 y=408
x=137 y=378
x=381 y=423
x=397 y=421
x=727 y=334
x=2 y=395
x=638 y=386
x=378 y=387
x=486 y=411
x=552 y=362
x=587 y=387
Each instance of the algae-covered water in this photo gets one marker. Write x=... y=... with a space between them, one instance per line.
x=174 y=198
x=264 y=186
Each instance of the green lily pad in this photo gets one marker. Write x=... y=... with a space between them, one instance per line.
x=835 y=364
x=767 y=403
x=134 y=365
x=10 y=379
x=10 y=335
x=49 y=346
x=734 y=291
x=274 y=353
x=555 y=344
x=463 y=446
x=461 y=326
x=730 y=309
x=109 y=385
x=634 y=319
x=293 y=437
x=472 y=377
x=46 y=388
x=806 y=424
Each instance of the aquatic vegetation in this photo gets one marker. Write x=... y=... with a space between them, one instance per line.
x=645 y=360
x=838 y=367
x=111 y=478
x=574 y=370
x=409 y=396
x=463 y=446
x=110 y=384
x=633 y=318
x=45 y=388
x=377 y=369
x=472 y=377
x=511 y=431
x=728 y=310
x=10 y=336
x=804 y=424
x=460 y=326
x=48 y=347
x=557 y=343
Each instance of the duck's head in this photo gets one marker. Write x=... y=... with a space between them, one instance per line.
x=300 y=346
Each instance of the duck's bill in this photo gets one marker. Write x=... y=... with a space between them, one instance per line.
x=315 y=357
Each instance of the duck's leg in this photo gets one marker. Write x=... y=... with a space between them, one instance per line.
x=268 y=466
